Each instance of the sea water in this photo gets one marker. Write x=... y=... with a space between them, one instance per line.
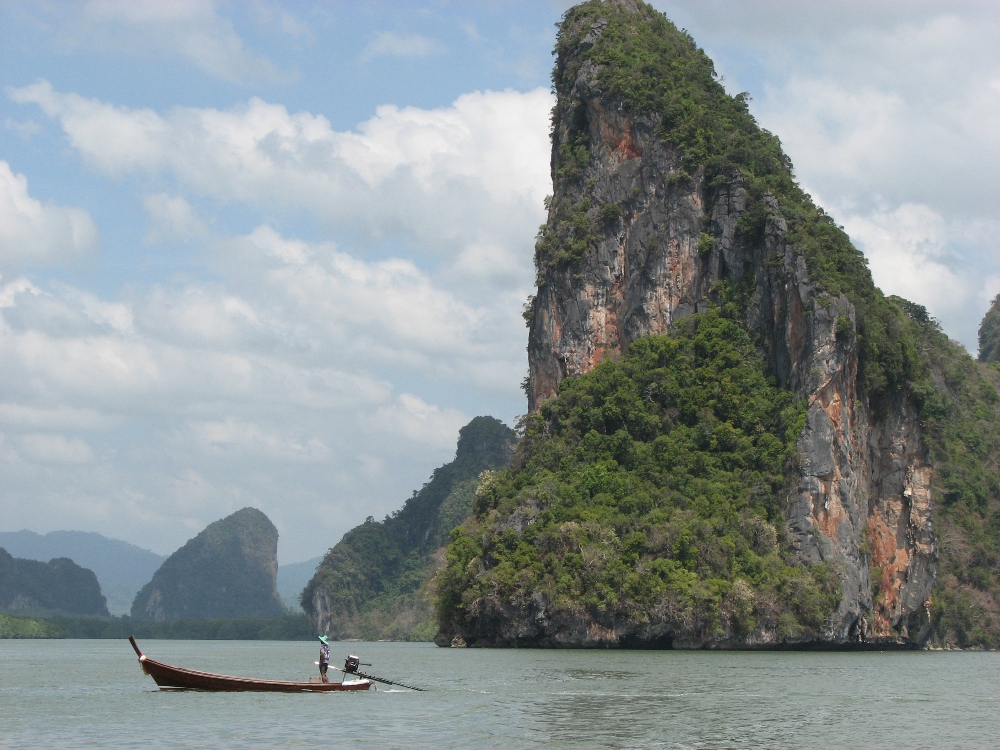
x=92 y=694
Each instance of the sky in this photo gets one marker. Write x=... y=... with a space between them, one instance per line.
x=275 y=254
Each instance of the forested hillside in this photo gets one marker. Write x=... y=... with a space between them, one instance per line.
x=644 y=501
x=227 y=570
x=121 y=568
x=376 y=583
x=989 y=334
x=56 y=587
x=961 y=409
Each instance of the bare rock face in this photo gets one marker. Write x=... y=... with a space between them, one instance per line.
x=863 y=493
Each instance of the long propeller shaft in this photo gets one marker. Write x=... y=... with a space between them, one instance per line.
x=387 y=682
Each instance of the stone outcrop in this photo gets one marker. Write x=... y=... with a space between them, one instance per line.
x=121 y=568
x=228 y=570
x=862 y=499
x=375 y=584
x=989 y=333
x=56 y=587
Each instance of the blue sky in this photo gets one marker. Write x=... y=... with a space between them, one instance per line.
x=274 y=254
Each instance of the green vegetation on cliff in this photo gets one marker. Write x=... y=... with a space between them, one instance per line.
x=121 y=568
x=228 y=570
x=989 y=334
x=634 y=499
x=59 y=586
x=647 y=485
x=960 y=406
x=658 y=71
x=375 y=583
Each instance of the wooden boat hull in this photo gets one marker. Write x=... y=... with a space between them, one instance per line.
x=169 y=677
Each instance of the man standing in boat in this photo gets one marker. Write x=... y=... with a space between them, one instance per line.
x=324 y=657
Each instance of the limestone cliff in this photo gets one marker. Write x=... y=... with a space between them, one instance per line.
x=121 y=568
x=666 y=196
x=227 y=570
x=56 y=587
x=989 y=333
x=375 y=584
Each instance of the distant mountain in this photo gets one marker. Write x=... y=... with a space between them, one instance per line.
x=293 y=578
x=228 y=570
x=121 y=568
x=56 y=587
x=376 y=583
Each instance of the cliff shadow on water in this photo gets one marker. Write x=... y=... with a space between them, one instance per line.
x=734 y=438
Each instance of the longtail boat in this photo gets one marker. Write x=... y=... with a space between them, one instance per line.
x=169 y=677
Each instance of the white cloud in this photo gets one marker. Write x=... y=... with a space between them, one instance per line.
x=391 y=44
x=54 y=418
x=84 y=369
x=251 y=440
x=114 y=139
x=391 y=309
x=55 y=449
x=9 y=292
x=319 y=304
x=35 y=233
x=189 y=29
x=171 y=218
x=421 y=422
x=109 y=316
x=199 y=316
x=472 y=174
x=68 y=313
x=908 y=255
x=26 y=129
x=796 y=23
x=865 y=132
x=206 y=396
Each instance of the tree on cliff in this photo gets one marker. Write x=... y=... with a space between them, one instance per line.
x=375 y=583
x=989 y=334
x=228 y=570
x=647 y=485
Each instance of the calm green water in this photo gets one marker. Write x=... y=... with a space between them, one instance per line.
x=68 y=694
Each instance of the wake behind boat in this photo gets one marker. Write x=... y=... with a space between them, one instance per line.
x=169 y=677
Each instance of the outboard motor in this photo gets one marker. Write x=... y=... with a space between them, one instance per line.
x=352 y=663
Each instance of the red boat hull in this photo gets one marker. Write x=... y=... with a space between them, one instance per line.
x=169 y=677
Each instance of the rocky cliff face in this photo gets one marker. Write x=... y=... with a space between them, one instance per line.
x=121 y=568
x=989 y=333
x=59 y=587
x=228 y=570
x=660 y=237
x=375 y=583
